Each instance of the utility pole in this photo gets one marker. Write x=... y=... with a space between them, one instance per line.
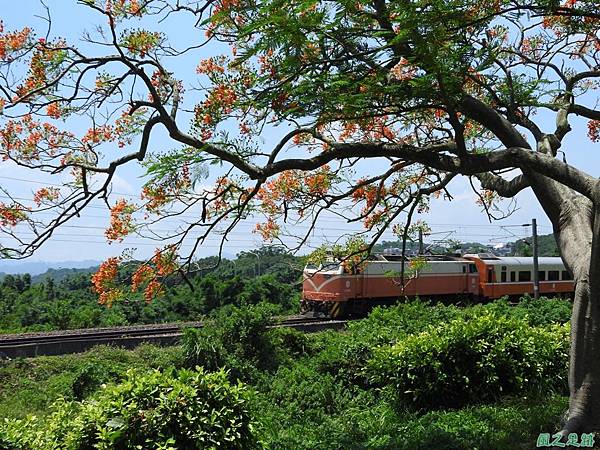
x=421 y=251
x=257 y=261
x=536 y=273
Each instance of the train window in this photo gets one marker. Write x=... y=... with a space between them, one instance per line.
x=472 y=268
x=566 y=275
x=503 y=267
x=503 y=277
x=490 y=275
x=464 y=269
x=541 y=275
x=524 y=275
x=553 y=275
x=513 y=277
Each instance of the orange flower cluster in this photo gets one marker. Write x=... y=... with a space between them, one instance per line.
x=165 y=261
x=266 y=65
x=373 y=219
x=220 y=101
x=369 y=193
x=11 y=215
x=221 y=6
x=162 y=264
x=2 y=104
x=158 y=193
x=143 y=274
x=121 y=222
x=28 y=140
x=268 y=230
x=594 y=130
x=98 y=134
x=349 y=129
x=285 y=187
x=210 y=66
x=45 y=194
x=377 y=128
x=36 y=78
x=155 y=197
x=319 y=182
x=126 y=127
x=14 y=41
x=153 y=289
x=222 y=96
x=103 y=281
x=244 y=128
x=403 y=71
x=53 y=110
x=140 y=42
x=123 y=7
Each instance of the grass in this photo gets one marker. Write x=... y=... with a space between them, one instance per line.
x=31 y=385
x=315 y=396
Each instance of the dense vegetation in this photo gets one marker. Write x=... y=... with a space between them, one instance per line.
x=414 y=376
x=368 y=387
x=64 y=299
x=270 y=275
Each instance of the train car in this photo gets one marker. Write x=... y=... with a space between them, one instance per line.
x=331 y=290
x=513 y=276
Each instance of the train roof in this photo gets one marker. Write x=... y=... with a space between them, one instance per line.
x=493 y=260
x=429 y=258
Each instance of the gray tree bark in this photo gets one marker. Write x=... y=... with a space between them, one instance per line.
x=576 y=224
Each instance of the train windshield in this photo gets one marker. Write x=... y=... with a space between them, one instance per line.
x=327 y=267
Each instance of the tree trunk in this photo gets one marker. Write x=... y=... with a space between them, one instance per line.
x=584 y=370
x=576 y=224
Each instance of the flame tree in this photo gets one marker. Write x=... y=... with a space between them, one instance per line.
x=422 y=91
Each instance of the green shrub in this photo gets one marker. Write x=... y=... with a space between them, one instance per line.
x=387 y=324
x=31 y=385
x=235 y=337
x=467 y=361
x=346 y=354
x=509 y=425
x=88 y=378
x=291 y=342
x=538 y=312
x=156 y=410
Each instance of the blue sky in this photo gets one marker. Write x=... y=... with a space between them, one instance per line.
x=84 y=239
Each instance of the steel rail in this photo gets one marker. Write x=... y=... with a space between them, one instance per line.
x=75 y=341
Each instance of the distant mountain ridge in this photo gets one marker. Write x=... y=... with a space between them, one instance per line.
x=13 y=267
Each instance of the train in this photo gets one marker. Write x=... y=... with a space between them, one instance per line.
x=332 y=290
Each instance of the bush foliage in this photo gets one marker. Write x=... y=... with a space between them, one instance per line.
x=234 y=337
x=159 y=410
x=385 y=382
x=470 y=361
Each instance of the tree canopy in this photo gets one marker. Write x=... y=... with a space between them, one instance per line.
x=419 y=92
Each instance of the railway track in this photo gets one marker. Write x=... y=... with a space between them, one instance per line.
x=75 y=341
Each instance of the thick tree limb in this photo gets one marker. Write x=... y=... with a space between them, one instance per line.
x=505 y=188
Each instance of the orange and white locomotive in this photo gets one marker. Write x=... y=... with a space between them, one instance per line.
x=330 y=289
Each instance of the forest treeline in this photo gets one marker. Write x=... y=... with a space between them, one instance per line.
x=269 y=274
x=64 y=299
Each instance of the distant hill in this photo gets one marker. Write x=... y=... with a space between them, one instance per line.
x=11 y=266
x=60 y=274
x=546 y=246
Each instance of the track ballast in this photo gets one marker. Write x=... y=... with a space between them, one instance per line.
x=75 y=341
